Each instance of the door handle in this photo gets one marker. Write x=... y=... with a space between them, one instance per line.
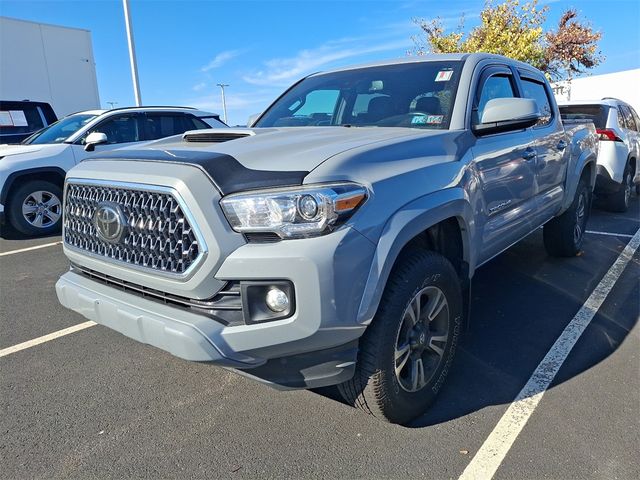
x=529 y=154
x=561 y=145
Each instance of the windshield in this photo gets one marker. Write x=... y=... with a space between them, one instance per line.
x=417 y=95
x=61 y=130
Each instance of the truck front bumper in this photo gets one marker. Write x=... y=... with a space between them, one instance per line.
x=314 y=347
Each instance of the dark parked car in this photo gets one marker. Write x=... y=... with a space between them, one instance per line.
x=19 y=119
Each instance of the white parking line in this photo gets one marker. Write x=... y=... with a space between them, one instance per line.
x=46 y=338
x=493 y=451
x=609 y=234
x=28 y=249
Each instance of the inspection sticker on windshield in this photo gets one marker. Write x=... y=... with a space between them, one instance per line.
x=444 y=75
x=427 y=119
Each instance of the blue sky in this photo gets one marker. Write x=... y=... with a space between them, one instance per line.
x=260 y=47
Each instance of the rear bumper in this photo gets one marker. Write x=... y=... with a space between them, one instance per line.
x=604 y=183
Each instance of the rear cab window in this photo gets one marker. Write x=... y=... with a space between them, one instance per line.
x=595 y=113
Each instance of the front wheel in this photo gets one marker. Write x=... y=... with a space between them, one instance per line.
x=407 y=351
x=35 y=208
x=563 y=235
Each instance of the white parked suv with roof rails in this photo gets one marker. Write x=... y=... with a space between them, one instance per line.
x=618 y=127
x=32 y=173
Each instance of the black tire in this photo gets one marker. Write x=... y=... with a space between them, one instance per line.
x=619 y=201
x=375 y=386
x=27 y=195
x=563 y=236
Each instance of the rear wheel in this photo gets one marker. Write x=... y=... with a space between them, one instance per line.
x=407 y=351
x=619 y=201
x=35 y=208
x=563 y=235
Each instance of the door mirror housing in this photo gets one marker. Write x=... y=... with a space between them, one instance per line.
x=252 y=119
x=506 y=114
x=93 y=139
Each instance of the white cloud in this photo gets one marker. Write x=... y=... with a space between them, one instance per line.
x=199 y=87
x=282 y=71
x=220 y=59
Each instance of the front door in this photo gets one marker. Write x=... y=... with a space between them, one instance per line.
x=121 y=130
x=505 y=167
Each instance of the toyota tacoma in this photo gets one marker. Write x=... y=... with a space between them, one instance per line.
x=332 y=242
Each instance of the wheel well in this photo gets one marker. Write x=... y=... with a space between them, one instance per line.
x=632 y=162
x=14 y=182
x=444 y=238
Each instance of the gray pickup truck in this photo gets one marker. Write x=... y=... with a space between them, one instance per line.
x=333 y=242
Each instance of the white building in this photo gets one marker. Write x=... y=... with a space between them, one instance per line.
x=623 y=85
x=47 y=63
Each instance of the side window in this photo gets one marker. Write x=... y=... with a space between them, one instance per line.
x=622 y=123
x=636 y=119
x=628 y=118
x=210 y=122
x=537 y=91
x=496 y=86
x=165 y=125
x=120 y=129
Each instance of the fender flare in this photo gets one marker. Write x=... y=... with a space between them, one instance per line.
x=573 y=176
x=28 y=171
x=404 y=225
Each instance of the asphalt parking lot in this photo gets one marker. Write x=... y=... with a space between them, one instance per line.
x=94 y=404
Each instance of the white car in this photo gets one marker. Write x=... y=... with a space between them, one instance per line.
x=32 y=173
x=618 y=126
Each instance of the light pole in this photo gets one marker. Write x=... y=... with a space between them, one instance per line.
x=132 y=53
x=112 y=104
x=224 y=101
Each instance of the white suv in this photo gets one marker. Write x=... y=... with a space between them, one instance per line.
x=32 y=173
x=618 y=126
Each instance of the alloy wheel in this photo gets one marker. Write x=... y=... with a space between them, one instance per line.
x=41 y=209
x=422 y=339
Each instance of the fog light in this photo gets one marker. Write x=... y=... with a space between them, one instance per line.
x=277 y=300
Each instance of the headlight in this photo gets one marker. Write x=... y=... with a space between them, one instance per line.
x=294 y=212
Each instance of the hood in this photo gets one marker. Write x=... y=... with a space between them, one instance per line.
x=272 y=157
x=46 y=149
x=279 y=149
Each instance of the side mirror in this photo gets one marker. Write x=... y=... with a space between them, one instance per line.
x=93 y=139
x=506 y=114
x=252 y=119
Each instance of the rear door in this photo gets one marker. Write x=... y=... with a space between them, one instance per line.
x=551 y=146
x=505 y=165
x=165 y=124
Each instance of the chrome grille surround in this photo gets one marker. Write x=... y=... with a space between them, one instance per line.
x=161 y=235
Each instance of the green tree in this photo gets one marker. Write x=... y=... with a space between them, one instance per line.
x=515 y=30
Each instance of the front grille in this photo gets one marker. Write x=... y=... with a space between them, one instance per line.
x=156 y=235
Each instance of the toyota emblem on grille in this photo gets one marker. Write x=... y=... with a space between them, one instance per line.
x=109 y=222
